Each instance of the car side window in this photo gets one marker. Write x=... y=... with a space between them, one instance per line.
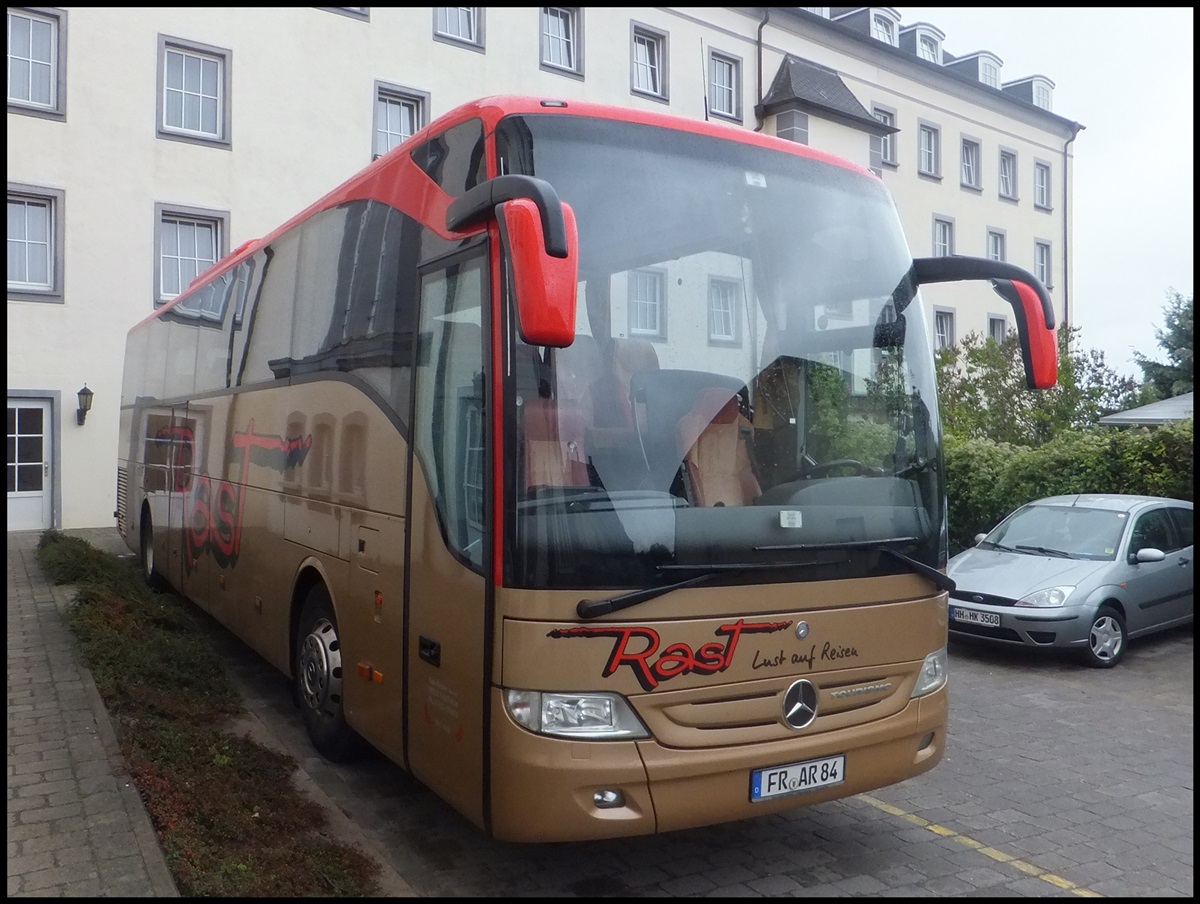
x=1153 y=529
x=1183 y=525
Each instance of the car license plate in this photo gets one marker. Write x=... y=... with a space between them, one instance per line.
x=777 y=781
x=974 y=617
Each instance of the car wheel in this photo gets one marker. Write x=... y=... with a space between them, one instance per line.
x=1107 y=638
x=318 y=678
x=150 y=573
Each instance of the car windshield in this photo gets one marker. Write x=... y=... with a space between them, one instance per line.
x=1067 y=530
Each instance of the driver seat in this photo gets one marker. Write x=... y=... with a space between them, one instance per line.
x=717 y=464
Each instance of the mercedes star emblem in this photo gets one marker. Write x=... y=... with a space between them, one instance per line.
x=800 y=704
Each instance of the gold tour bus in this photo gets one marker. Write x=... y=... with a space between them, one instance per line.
x=584 y=461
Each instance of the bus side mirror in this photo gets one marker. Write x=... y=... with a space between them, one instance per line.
x=1030 y=302
x=543 y=284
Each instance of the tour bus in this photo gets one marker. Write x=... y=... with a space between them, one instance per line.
x=584 y=461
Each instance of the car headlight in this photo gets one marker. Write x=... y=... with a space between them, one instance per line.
x=596 y=717
x=1047 y=598
x=933 y=673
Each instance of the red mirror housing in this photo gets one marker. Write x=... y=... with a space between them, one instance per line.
x=1039 y=342
x=545 y=286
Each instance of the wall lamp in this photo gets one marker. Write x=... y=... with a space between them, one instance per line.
x=85 y=404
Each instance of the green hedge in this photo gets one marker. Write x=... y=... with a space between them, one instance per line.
x=985 y=480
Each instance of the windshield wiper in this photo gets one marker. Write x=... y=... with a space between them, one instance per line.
x=595 y=608
x=999 y=546
x=941 y=581
x=1046 y=551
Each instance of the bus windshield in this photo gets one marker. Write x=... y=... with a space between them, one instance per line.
x=751 y=383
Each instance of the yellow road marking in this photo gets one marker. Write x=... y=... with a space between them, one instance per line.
x=994 y=853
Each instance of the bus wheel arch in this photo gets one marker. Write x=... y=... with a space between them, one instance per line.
x=318 y=672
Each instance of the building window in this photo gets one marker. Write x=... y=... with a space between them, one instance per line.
x=1041 y=185
x=883 y=29
x=929 y=50
x=35 y=244
x=649 y=62
x=997 y=329
x=883 y=148
x=989 y=73
x=353 y=12
x=970 y=164
x=943 y=329
x=1041 y=95
x=723 y=295
x=193 y=92
x=996 y=242
x=1008 y=175
x=37 y=62
x=187 y=242
x=1041 y=262
x=929 y=154
x=561 y=45
x=647 y=315
x=399 y=114
x=725 y=86
x=459 y=23
x=792 y=125
x=943 y=238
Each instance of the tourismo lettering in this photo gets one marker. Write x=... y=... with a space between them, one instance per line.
x=651 y=667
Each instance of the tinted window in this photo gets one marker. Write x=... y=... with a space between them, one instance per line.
x=455 y=159
x=1153 y=529
x=1183 y=524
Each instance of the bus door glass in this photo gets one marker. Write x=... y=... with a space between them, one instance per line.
x=447 y=535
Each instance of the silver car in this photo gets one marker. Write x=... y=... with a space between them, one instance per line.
x=1085 y=573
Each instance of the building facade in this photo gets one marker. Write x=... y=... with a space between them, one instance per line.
x=143 y=145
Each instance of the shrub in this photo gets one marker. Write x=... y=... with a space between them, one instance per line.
x=986 y=480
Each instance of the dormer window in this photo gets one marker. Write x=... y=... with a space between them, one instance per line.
x=927 y=47
x=883 y=27
x=989 y=70
x=923 y=40
x=1041 y=94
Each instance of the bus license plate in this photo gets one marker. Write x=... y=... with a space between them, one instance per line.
x=777 y=781
x=973 y=617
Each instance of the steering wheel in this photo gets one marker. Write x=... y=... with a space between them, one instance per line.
x=838 y=464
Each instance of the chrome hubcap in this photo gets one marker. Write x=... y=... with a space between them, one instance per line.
x=321 y=669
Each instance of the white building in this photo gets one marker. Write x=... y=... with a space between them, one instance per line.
x=145 y=144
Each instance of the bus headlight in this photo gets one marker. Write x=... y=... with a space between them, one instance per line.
x=933 y=673
x=597 y=717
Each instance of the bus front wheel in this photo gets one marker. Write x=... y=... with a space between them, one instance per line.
x=318 y=676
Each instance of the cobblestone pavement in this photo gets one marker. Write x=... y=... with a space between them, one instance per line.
x=76 y=824
x=1058 y=781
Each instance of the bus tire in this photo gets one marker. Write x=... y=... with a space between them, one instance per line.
x=318 y=674
x=153 y=577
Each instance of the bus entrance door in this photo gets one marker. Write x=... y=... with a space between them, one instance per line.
x=445 y=686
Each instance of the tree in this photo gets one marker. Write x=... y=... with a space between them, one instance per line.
x=982 y=392
x=1174 y=378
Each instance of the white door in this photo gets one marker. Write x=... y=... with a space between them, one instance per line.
x=29 y=477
